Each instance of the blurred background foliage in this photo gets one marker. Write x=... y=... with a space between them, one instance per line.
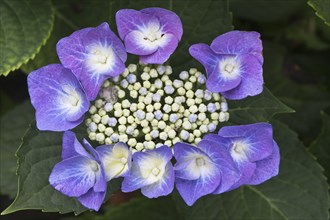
x=296 y=40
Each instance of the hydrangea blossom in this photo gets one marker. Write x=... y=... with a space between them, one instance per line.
x=253 y=150
x=152 y=33
x=141 y=112
x=205 y=169
x=93 y=55
x=84 y=171
x=58 y=98
x=151 y=171
x=233 y=64
x=80 y=174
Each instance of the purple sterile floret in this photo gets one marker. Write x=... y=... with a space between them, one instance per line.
x=80 y=174
x=203 y=170
x=253 y=150
x=233 y=64
x=152 y=33
x=58 y=98
x=93 y=55
x=152 y=172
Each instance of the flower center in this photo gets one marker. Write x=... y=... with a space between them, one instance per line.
x=155 y=171
x=100 y=58
x=239 y=151
x=123 y=160
x=71 y=98
x=229 y=68
x=145 y=108
x=200 y=161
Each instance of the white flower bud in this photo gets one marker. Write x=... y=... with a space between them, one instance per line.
x=96 y=118
x=92 y=136
x=166 y=117
x=146 y=69
x=157 y=106
x=118 y=113
x=132 y=142
x=177 y=83
x=197 y=133
x=169 y=100
x=108 y=131
x=114 y=137
x=124 y=83
x=99 y=137
x=197 y=140
x=202 y=108
x=184 y=75
x=136 y=133
x=193 y=79
x=193 y=109
x=133 y=107
x=175 y=107
x=191 y=138
x=134 y=94
x=192 y=71
x=186 y=125
x=122 y=120
x=176 y=140
x=161 y=69
x=167 y=108
x=141 y=105
x=165 y=78
x=184 y=135
x=224 y=106
x=153 y=73
x=123 y=138
x=168 y=70
x=108 y=141
x=146 y=84
x=92 y=127
x=181 y=91
x=203 y=128
x=216 y=96
x=215 y=116
x=132 y=68
x=163 y=136
x=105 y=119
x=122 y=128
x=146 y=130
x=145 y=76
x=144 y=123
x=171 y=133
x=139 y=146
x=99 y=103
x=108 y=107
x=106 y=84
x=191 y=102
x=147 y=137
x=188 y=85
x=160 y=92
x=121 y=94
x=168 y=143
x=161 y=125
x=190 y=94
x=201 y=116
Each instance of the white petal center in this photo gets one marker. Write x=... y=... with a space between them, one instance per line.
x=239 y=151
x=100 y=58
x=229 y=68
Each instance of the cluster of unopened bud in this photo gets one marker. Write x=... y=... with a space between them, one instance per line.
x=145 y=108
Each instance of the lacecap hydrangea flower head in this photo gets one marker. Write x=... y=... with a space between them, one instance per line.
x=154 y=130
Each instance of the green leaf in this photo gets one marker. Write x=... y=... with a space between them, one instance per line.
x=299 y=191
x=307 y=100
x=37 y=155
x=25 y=26
x=13 y=125
x=265 y=11
x=321 y=8
x=138 y=208
x=257 y=108
x=320 y=148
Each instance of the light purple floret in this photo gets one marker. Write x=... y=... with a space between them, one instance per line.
x=233 y=64
x=152 y=172
x=93 y=55
x=58 y=98
x=80 y=174
x=253 y=150
x=152 y=33
x=205 y=169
